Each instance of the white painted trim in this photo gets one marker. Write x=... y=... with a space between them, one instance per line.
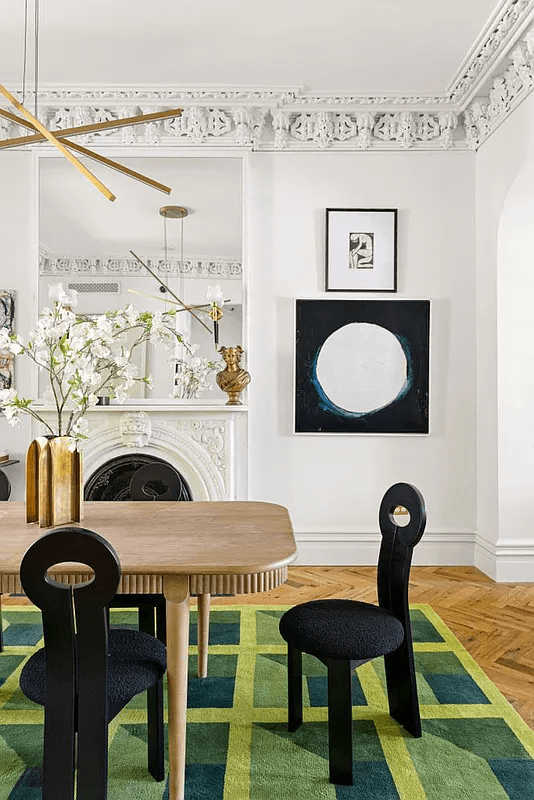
x=511 y=560
x=343 y=548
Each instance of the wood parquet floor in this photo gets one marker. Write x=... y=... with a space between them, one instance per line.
x=494 y=621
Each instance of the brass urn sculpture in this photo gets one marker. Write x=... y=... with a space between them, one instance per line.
x=233 y=378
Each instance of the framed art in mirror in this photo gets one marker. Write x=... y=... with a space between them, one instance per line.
x=361 y=250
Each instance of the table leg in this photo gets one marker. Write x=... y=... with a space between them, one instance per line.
x=203 y=634
x=176 y=591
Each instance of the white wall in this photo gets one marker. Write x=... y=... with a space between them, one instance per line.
x=333 y=485
x=17 y=222
x=505 y=277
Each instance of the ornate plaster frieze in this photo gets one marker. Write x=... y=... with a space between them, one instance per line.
x=508 y=22
x=508 y=89
x=256 y=129
x=401 y=129
x=227 y=268
x=289 y=118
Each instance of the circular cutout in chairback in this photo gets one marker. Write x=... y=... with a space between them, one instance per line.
x=155 y=482
x=407 y=497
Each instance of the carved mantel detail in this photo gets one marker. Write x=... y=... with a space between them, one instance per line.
x=136 y=429
x=206 y=444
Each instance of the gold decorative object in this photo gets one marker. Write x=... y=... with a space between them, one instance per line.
x=233 y=378
x=54 y=482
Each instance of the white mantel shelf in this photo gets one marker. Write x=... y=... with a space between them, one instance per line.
x=154 y=405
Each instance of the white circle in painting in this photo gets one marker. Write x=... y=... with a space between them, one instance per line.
x=361 y=367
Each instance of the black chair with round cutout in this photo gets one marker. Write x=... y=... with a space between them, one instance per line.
x=86 y=673
x=344 y=634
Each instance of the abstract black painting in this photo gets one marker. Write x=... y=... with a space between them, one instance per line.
x=362 y=366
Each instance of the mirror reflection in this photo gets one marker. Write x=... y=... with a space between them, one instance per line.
x=401 y=516
x=85 y=244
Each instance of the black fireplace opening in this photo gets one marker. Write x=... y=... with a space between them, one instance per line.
x=153 y=479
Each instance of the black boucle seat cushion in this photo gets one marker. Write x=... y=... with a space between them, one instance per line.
x=343 y=629
x=136 y=661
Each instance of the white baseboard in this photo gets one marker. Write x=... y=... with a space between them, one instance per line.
x=508 y=561
x=512 y=561
x=349 y=548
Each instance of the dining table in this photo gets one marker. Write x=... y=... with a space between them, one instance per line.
x=174 y=549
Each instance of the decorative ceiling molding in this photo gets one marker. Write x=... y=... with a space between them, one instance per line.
x=286 y=118
x=508 y=89
x=509 y=21
x=196 y=267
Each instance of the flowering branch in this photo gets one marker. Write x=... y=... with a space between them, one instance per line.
x=83 y=357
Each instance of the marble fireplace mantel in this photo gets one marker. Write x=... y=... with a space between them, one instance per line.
x=205 y=442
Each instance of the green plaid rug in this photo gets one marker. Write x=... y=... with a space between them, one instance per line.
x=474 y=745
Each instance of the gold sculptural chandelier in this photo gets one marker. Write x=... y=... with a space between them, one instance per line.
x=60 y=138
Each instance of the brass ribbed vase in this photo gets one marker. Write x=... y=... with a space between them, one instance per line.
x=54 y=482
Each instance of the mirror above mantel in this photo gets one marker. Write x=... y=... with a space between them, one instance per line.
x=85 y=243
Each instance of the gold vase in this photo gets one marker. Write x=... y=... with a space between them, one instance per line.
x=54 y=482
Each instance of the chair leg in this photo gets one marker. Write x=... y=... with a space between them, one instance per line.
x=402 y=688
x=203 y=634
x=59 y=753
x=161 y=621
x=294 y=688
x=340 y=721
x=156 y=755
x=147 y=622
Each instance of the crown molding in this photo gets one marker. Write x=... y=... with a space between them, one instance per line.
x=287 y=118
x=508 y=89
x=109 y=266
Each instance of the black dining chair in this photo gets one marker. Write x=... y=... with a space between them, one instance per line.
x=155 y=481
x=86 y=673
x=160 y=482
x=344 y=634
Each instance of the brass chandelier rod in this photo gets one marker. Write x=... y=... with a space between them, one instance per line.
x=57 y=143
x=84 y=151
x=176 y=298
x=139 y=119
x=59 y=137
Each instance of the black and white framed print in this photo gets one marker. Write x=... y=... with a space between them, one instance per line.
x=362 y=366
x=361 y=250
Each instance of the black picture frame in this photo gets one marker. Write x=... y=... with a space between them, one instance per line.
x=397 y=368
x=361 y=250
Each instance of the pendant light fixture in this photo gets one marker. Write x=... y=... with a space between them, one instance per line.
x=214 y=307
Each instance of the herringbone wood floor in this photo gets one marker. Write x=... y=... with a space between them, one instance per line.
x=494 y=621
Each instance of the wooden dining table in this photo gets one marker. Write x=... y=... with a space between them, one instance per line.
x=177 y=549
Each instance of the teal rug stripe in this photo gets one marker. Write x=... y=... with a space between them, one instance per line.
x=474 y=745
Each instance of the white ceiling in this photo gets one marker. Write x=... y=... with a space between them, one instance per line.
x=360 y=46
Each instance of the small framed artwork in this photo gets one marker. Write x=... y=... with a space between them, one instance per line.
x=362 y=366
x=7 y=317
x=361 y=250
